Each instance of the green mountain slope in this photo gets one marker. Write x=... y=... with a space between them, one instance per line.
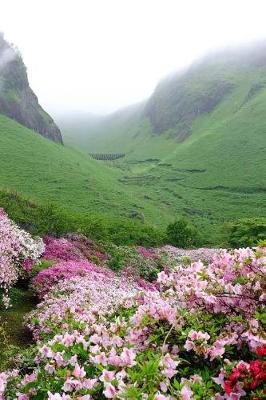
x=49 y=172
x=197 y=147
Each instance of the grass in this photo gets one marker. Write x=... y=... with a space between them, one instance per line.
x=13 y=334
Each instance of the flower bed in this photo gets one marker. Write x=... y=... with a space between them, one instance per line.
x=200 y=335
x=18 y=252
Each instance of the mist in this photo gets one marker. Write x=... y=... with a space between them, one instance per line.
x=88 y=56
x=7 y=55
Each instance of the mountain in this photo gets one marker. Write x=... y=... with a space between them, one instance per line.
x=181 y=99
x=197 y=146
x=17 y=100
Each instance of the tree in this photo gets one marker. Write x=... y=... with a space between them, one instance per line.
x=246 y=232
x=182 y=233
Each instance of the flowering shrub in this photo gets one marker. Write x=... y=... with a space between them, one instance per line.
x=74 y=247
x=79 y=300
x=201 y=335
x=139 y=261
x=91 y=250
x=149 y=254
x=45 y=279
x=18 y=252
x=177 y=255
x=246 y=377
x=61 y=249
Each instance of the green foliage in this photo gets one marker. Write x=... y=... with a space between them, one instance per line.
x=117 y=258
x=182 y=233
x=38 y=219
x=40 y=267
x=49 y=219
x=246 y=232
x=13 y=335
x=136 y=264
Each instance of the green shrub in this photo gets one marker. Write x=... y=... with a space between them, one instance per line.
x=116 y=258
x=182 y=233
x=135 y=263
x=245 y=232
x=38 y=219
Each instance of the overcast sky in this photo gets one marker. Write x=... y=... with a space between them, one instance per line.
x=100 y=55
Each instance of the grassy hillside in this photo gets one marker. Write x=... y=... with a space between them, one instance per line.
x=48 y=172
x=198 y=146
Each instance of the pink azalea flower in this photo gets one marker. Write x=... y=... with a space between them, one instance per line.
x=159 y=396
x=107 y=376
x=89 y=383
x=78 y=371
x=110 y=391
x=186 y=393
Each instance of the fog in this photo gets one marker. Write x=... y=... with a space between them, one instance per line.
x=100 y=55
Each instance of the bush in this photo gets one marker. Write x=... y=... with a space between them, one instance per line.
x=245 y=232
x=183 y=234
x=18 y=253
x=136 y=262
x=65 y=270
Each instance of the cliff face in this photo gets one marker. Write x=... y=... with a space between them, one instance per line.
x=17 y=100
x=195 y=92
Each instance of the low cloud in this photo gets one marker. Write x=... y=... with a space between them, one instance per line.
x=7 y=55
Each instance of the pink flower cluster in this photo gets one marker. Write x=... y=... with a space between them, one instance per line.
x=73 y=247
x=83 y=297
x=47 y=278
x=61 y=250
x=18 y=252
x=5 y=376
x=91 y=250
x=147 y=253
x=178 y=255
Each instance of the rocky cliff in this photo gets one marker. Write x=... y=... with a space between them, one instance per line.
x=17 y=100
x=197 y=91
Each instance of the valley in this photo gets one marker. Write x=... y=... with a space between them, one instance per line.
x=219 y=160
x=133 y=243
